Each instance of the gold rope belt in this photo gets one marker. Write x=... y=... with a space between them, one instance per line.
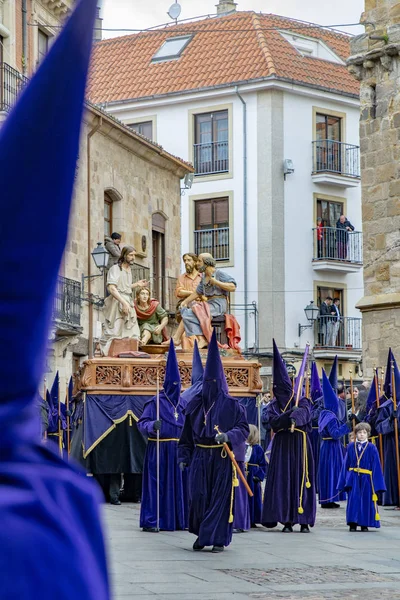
x=360 y=470
x=305 y=480
x=163 y=440
x=374 y=496
x=252 y=465
x=205 y=446
x=324 y=439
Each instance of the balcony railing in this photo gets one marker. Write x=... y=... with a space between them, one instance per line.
x=210 y=158
x=11 y=84
x=67 y=301
x=330 y=156
x=213 y=241
x=330 y=243
x=331 y=333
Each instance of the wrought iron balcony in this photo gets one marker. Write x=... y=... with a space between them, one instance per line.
x=344 y=334
x=211 y=158
x=338 y=158
x=213 y=241
x=337 y=249
x=67 y=301
x=11 y=84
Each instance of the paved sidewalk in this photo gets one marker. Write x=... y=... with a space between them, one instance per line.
x=328 y=564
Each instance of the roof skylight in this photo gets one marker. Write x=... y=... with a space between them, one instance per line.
x=172 y=48
x=310 y=46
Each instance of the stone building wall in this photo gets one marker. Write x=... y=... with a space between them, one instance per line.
x=375 y=61
x=143 y=180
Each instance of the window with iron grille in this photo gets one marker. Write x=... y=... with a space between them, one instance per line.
x=212 y=227
x=211 y=147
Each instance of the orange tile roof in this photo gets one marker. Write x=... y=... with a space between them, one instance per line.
x=243 y=46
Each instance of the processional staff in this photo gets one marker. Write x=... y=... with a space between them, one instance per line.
x=396 y=428
x=376 y=383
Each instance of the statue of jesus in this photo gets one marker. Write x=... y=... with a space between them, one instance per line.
x=120 y=320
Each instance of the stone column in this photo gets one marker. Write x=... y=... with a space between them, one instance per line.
x=375 y=61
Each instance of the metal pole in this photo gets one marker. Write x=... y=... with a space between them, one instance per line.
x=396 y=431
x=378 y=405
x=352 y=399
x=158 y=453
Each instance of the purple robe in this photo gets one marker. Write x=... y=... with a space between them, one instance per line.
x=385 y=425
x=316 y=408
x=362 y=488
x=241 y=507
x=331 y=456
x=171 y=488
x=287 y=498
x=256 y=467
x=210 y=473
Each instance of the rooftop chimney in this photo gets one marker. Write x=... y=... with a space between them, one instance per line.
x=226 y=7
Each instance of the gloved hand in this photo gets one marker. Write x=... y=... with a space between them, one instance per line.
x=295 y=408
x=182 y=466
x=68 y=413
x=354 y=416
x=221 y=438
x=157 y=425
x=256 y=479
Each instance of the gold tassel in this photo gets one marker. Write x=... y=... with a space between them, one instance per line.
x=308 y=484
x=130 y=420
x=377 y=517
x=374 y=498
x=300 y=510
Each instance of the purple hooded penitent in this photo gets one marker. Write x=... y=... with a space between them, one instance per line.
x=333 y=375
x=50 y=524
x=332 y=450
x=282 y=385
x=172 y=418
x=315 y=386
x=195 y=389
x=210 y=480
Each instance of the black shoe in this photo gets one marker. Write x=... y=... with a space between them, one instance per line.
x=335 y=505
x=196 y=545
x=150 y=529
x=216 y=549
x=253 y=526
x=288 y=528
x=115 y=502
x=304 y=529
x=238 y=531
x=353 y=527
x=364 y=528
x=330 y=505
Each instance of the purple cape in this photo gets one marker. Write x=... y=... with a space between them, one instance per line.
x=256 y=467
x=289 y=495
x=171 y=488
x=361 y=505
x=330 y=457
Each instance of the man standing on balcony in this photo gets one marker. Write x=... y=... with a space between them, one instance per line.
x=187 y=284
x=215 y=285
x=343 y=226
x=120 y=319
x=334 y=323
x=324 y=318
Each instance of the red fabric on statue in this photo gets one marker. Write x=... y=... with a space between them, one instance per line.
x=232 y=329
x=143 y=315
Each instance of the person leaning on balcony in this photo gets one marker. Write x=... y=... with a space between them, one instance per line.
x=334 y=323
x=325 y=317
x=343 y=226
x=113 y=247
x=215 y=284
x=187 y=284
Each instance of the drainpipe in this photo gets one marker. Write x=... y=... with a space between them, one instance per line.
x=24 y=37
x=245 y=278
x=89 y=234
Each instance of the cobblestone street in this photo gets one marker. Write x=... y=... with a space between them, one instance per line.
x=327 y=564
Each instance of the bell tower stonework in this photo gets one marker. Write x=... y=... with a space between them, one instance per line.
x=375 y=62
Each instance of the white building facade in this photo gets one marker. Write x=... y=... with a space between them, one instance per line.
x=258 y=221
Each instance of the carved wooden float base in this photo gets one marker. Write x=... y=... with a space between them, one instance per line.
x=138 y=376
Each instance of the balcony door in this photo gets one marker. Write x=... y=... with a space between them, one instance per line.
x=212 y=227
x=211 y=153
x=322 y=294
x=158 y=242
x=328 y=143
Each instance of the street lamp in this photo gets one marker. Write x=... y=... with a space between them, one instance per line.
x=100 y=257
x=311 y=312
